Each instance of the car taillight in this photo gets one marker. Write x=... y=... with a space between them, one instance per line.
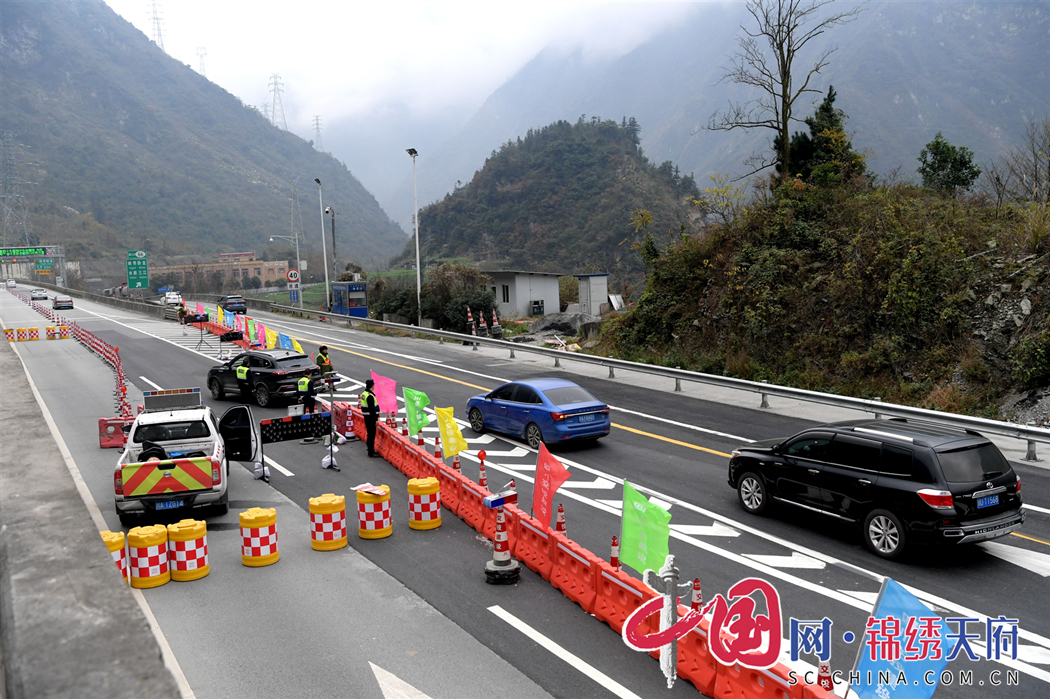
x=280 y=372
x=937 y=499
x=216 y=473
x=558 y=417
x=736 y=452
x=604 y=411
x=1018 y=484
x=118 y=483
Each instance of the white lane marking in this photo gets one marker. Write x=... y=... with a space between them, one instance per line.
x=1036 y=509
x=869 y=598
x=614 y=505
x=596 y=484
x=170 y=661
x=715 y=529
x=660 y=503
x=393 y=687
x=1038 y=563
x=159 y=388
x=483 y=439
x=277 y=466
x=795 y=560
x=1033 y=654
x=560 y=652
x=681 y=424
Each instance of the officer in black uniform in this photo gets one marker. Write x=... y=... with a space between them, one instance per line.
x=305 y=391
x=243 y=381
x=370 y=412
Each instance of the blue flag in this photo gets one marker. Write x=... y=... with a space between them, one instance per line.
x=285 y=341
x=903 y=647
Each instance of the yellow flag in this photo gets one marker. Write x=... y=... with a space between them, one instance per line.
x=452 y=441
x=219 y=315
x=297 y=346
x=271 y=339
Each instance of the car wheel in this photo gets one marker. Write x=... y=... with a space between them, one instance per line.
x=262 y=395
x=217 y=391
x=884 y=534
x=753 y=494
x=223 y=506
x=477 y=420
x=533 y=435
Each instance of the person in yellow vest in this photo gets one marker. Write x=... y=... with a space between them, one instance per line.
x=243 y=382
x=305 y=391
x=370 y=412
x=323 y=361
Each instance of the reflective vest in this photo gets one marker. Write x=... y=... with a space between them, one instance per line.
x=242 y=373
x=367 y=411
x=304 y=384
x=324 y=363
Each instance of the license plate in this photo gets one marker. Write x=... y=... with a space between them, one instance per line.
x=987 y=501
x=169 y=505
x=587 y=418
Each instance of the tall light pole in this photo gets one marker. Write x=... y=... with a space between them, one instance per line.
x=324 y=251
x=335 y=255
x=415 y=199
x=298 y=261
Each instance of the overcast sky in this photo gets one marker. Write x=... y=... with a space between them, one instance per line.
x=340 y=59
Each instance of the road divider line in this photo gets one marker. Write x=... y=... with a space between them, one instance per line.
x=1029 y=538
x=672 y=441
x=562 y=653
x=681 y=424
x=277 y=466
x=159 y=388
x=1043 y=510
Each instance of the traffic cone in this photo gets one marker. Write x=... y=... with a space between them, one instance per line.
x=483 y=480
x=495 y=320
x=437 y=448
x=698 y=596
x=481 y=320
x=502 y=569
x=470 y=322
x=559 y=525
x=824 y=677
x=404 y=427
x=419 y=438
x=614 y=558
x=455 y=464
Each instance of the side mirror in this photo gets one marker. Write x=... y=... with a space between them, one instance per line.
x=777 y=449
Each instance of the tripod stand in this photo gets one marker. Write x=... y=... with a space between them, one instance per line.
x=202 y=342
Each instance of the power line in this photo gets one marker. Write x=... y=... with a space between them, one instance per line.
x=14 y=210
x=318 y=144
x=276 y=107
x=202 y=53
x=158 y=29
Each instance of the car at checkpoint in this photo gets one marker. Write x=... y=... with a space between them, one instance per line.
x=62 y=301
x=178 y=455
x=233 y=303
x=38 y=295
x=272 y=373
x=12 y=284
x=902 y=482
x=540 y=411
x=172 y=298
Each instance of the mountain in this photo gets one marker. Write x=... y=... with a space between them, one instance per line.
x=559 y=200
x=117 y=144
x=978 y=72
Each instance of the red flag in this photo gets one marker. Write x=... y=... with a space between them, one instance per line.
x=550 y=474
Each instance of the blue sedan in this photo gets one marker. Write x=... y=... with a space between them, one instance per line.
x=540 y=411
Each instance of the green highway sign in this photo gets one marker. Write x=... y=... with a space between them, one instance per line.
x=138 y=270
x=45 y=266
x=22 y=252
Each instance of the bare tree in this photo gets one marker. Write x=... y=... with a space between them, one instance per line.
x=766 y=61
x=997 y=181
x=1028 y=165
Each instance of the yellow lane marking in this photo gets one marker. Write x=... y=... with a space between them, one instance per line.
x=1038 y=541
x=672 y=441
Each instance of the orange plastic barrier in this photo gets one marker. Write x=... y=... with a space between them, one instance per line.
x=738 y=681
x=429 y=466
x=574 y=571
x=695 y=662
x=396 y=455
x=111 y=433
x=413 y=461
x=359 y=422
x=809 y=691
x=450 y=487
x=512 y=516
x=471 y=507
x=533 y=547
x=618 y=595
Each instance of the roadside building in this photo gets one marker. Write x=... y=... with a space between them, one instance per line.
x=525 y=294
x=232 y=267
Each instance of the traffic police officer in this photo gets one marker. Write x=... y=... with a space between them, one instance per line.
x=370 y=412
x=305 y=390
x=323 y=362
x=242 y=379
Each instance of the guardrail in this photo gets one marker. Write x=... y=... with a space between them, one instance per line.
x=1029 y=433
x=128 y=304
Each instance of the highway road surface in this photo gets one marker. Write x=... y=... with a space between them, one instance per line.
x=414 y=608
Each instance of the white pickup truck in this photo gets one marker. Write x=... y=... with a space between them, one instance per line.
x=177 y=455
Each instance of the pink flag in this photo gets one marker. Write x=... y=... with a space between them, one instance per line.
x=260 y=334
x=200 y=309
x=386 y=393
x=550 y=474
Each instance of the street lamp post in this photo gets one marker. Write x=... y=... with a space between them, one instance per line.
x=324 y=251
x=415 y=199
x=298 y=261
x=335 y=255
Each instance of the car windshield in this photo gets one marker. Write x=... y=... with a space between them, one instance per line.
x=235 y=299
x=567 y=395
x=190 y=429
x=973 y=464
x=296 y=362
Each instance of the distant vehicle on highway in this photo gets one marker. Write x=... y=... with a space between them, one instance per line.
x=902 y=481
x=271 y=374
x=62 y=301
x=540 y=411
x=233 y=304
x=12 y=284
x=173 y=298
x=38 y=295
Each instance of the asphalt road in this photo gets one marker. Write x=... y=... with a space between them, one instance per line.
x=672 y=446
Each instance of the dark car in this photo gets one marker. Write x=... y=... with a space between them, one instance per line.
x=233 y=304
x=902 y=481
x=62 y=301
x=540 y=411
x=271 y=373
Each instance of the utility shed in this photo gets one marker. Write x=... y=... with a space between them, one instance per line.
x=524 y=294
x=594 y=292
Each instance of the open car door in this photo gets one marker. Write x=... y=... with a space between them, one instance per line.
x=238 y=431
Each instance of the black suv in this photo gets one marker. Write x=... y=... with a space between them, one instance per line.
x=233 y=304
x=903 y=481
x=271 y=373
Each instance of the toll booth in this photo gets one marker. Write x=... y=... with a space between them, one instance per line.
x=350 y=298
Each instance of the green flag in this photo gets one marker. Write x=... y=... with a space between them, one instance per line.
x=415 y=401
x=646 y=530
x=251 y=330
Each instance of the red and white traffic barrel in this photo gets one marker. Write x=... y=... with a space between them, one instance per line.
x=148 y=556
x=188 y=550
x=328 y=522
x=373 y=511
x=259 y=537
x=115 y=544
x=424 y=503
